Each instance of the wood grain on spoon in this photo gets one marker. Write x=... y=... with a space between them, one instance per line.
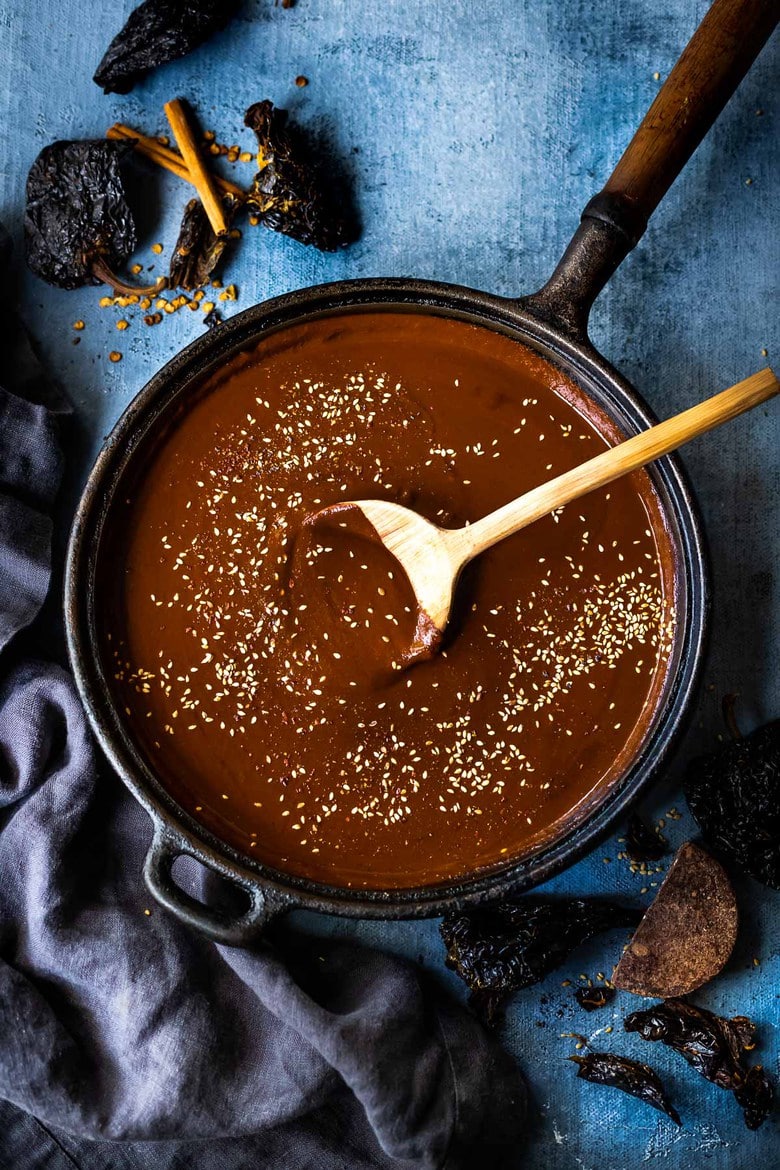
x=433 y=557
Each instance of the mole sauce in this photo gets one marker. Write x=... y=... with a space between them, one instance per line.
x=259 y=659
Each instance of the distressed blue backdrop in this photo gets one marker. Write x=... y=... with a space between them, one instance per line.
x=475 y=133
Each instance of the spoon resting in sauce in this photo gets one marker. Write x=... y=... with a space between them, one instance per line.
x=432 y=558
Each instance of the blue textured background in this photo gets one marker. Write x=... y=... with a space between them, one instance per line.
x=476 y=132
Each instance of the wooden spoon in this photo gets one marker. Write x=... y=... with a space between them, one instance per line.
x=433 y=557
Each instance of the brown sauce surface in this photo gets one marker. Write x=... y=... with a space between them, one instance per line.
x=257 y=658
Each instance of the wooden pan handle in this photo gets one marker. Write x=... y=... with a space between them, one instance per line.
x=711 y=67
x=717 y=57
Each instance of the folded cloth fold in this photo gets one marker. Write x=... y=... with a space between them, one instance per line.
x=128 y=1041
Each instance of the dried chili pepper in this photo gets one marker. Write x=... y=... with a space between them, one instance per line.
x=78 y=224
x=198 y=249
x=642 y=842
x=755 y=1096
x=641 y=1081
x=733 y=794
x=592 y=998
x=499 y=949
x=290 y=193
x=156 y=32
x=714 y=1046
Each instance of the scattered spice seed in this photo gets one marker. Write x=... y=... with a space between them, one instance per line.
x=592 y=998
x=157 y=249
x=301 y=81
x=122 y=325
x=78 y=325
x=115 y=356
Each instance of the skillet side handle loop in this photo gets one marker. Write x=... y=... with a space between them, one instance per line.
x=712 y=65
x=216 y=925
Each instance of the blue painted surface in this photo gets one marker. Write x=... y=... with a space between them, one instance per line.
x=478 y=132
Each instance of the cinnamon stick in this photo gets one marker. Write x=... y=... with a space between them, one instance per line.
x=200 y=177
x=169 y=159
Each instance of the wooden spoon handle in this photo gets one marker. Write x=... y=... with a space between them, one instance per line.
x=626 y=457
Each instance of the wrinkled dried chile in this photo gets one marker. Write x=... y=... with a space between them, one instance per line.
x=78 y=225
x=714 y=1046
x=198 y=249
x=592 y=998
x=755 y=1096
x=499 y=949
x=156 y=32
x=639 y=1080
x=290 y=193
x=642 y=842
x=733 y=794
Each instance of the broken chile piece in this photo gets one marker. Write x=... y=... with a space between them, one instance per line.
x=714 y=1046
x=618 y=1072
x=289 y=193
x=78 y=225
x=198 y=250
x=592 y=998
x=755 y=1096
x=732 y=793
x=644 y=843
x=499 y=949
x=156 y=32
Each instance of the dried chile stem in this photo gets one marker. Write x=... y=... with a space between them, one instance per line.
x=727 y=706
x=100 y=269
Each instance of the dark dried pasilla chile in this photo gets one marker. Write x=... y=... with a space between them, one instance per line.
x=156 y=32
x=755 y=1096
x=499 y=949
x=733 y=794
x=592 y=998
x=644 y=843
x=198 y=249
x=641 y=1081
x=78 y=225
x=714 y=1046
x=290 y=192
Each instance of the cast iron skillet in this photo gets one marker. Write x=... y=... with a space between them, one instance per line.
x=553 y=322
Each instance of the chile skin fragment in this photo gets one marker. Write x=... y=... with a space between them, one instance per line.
x=732 y=793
